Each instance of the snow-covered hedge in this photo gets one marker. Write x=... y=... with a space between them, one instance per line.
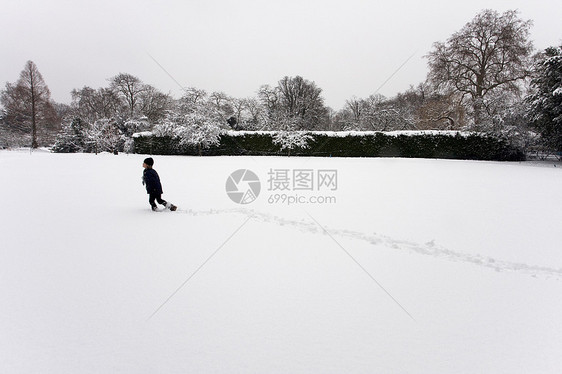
x=450 y=145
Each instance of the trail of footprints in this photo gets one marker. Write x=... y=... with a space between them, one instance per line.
x=428 y=249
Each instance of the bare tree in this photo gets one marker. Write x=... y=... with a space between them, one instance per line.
x=28 y=103
x=221 y=104
x=441 y=111
x=130 y=88
x=255 y=114
x=301 y=99
x=154 y=104
x=247 y=114
x=127 y=97
x=491 y=52
x=92 y=105
x=192 y=100
x=193 y=95
x=270 y=102
x=375 y=113
x=355 y=107
x=295 y=100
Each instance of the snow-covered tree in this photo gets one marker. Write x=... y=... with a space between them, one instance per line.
x=165 y=128
x=199 y=130
x=72 y=138
x=153 y=104
x=198 y=127
x=289 y=138
x=104 y=135
x=546 y=102
x=135 y=125
x=248 y=114
x=221 y=105
x=294 y=99
x=375 y=113
x=490 y=53
x=193 y=96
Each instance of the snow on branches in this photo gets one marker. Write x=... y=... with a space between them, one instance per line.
x=195 y=129
x=290 y=140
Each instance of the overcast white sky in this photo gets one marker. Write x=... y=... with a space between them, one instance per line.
x=348 y=47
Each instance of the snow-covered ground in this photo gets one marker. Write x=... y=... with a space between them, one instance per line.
x=418 y=266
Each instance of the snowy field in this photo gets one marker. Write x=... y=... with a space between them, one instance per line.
x=418 y=266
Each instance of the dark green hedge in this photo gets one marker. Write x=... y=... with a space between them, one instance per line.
x=469 y=147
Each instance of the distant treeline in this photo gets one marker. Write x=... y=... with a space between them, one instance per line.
x=495 y=84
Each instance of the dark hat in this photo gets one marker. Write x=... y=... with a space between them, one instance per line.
x=149 y=161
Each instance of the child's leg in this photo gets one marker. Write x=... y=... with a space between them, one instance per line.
x=151 y=199
x=165 y=203
x=161 y=201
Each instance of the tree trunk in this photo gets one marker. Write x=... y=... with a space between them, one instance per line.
x=477 y=107
x=34 y=143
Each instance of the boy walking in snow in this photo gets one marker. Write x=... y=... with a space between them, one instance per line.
x=151 y=180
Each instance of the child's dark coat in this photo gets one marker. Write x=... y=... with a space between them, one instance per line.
x=152 y=182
